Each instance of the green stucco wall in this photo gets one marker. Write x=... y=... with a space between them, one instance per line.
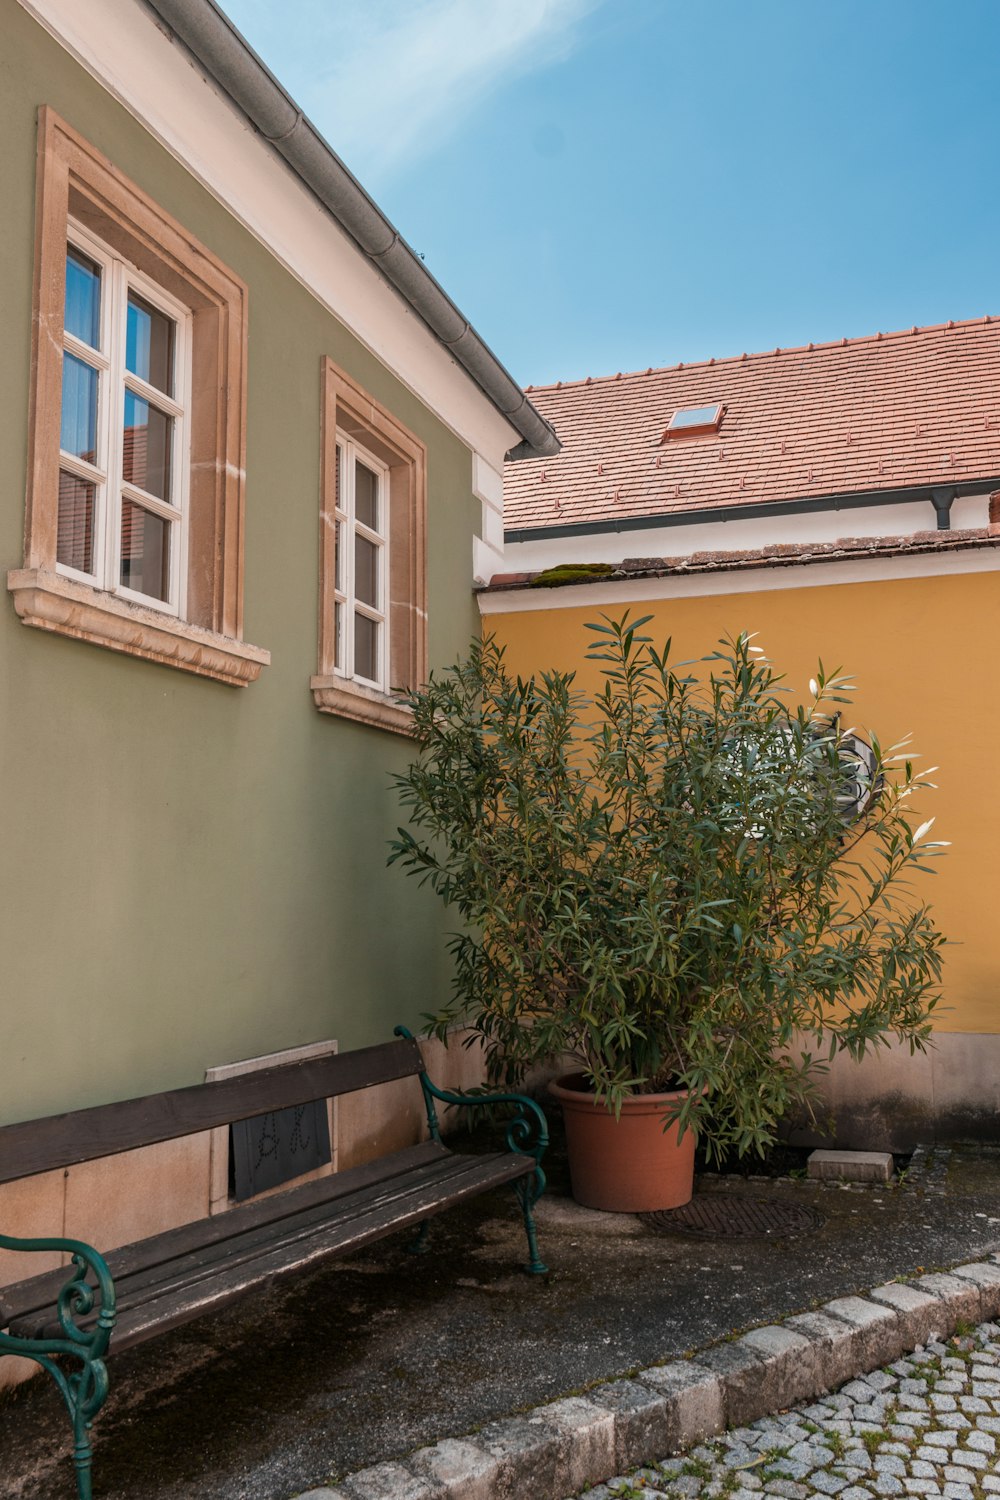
x=192 y=873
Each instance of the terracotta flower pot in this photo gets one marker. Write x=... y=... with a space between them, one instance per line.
x=629 y=1165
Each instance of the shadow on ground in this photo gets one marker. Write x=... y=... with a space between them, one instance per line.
x=376 y=1355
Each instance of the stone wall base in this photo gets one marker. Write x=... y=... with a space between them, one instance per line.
x=894 y=1100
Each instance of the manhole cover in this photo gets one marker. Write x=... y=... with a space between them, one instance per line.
x=729 y=1216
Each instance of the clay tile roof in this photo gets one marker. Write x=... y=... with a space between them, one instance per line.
x=886 y=412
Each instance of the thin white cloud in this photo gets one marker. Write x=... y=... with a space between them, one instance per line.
x=389 y=80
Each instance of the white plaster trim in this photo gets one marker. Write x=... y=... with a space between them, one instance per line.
x=492 y=532
x=748 y=534
x=487 y=548
x=486 y=561
x=487 y=482
x=748 y=581
x=49 y=601
x=126 y=51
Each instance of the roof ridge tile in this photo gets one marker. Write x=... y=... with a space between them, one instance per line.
x=951 y=326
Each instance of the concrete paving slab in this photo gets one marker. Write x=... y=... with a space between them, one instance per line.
x=850 y=1166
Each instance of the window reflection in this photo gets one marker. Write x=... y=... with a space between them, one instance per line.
x=146 y=447
x=83 y=298
x=75 y=536
x=365 y=647
x=144 y=552
x=79 y=409
x=149 y=344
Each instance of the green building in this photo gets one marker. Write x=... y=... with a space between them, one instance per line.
x=252 y=456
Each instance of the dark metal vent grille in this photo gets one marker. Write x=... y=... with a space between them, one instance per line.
x=730 y=1216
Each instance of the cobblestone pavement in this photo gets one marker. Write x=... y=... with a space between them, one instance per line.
x=928 y=1425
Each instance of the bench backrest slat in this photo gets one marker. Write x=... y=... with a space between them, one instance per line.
x=85 y=1134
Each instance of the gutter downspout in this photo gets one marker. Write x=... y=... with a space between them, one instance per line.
x=942 y=501
x=224 y=54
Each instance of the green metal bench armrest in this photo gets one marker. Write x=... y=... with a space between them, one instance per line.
x=527 y=1133
x=77 y=1297
x=84 y=1390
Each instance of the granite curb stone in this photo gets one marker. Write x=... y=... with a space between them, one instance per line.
x=459 y=1468
x=697 y=1401
x=880 y=1328
x=589 y=1431
x=919 y=1312
x=790 y=1368
x=837 y=1343
x=642 y=1420
x=559 y=1448
x=961 y=1296
x=987 y=1278
x=740 y=1368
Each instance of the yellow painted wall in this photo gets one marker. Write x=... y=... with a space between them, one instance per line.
x=924 y=654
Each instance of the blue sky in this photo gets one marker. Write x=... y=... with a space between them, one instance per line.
x=603 y=185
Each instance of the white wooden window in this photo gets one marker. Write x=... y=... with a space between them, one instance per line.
x=124 y=439
x=361 y=636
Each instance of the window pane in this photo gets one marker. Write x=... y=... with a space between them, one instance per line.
x=83 y=298
x=339 y=543
x=149 y=344
x=366 y=496
x=338 y=636
x=338 y=503
x=146 y=451
x=366 y=570
x=79 y=409
x=145 y=551
x=366 y=647
x=75 y=544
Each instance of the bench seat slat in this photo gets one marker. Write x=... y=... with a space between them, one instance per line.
x=23 y=1297
x=87 y=1134
x=288 y=1246
x=443 y=1177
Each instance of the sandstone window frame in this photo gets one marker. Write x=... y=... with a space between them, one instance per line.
x=353 y=415
x=76 y=182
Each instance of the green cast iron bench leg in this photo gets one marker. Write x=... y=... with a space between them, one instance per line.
x=527 y=1134
x=83 y=1390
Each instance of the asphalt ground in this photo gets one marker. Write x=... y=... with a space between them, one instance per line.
x=376 y=1355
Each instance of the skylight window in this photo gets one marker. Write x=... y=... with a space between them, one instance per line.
x=689 y=420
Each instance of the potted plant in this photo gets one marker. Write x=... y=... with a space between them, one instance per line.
x=671 y=882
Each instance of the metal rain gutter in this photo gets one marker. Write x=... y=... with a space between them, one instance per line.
x=941 y=497
x=214 y=41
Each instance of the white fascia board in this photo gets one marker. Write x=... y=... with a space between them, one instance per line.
x=752 y=581
x=121 y=45
x=748 y=534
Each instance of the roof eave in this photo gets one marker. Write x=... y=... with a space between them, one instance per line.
x=800 y=505
x=228 y=58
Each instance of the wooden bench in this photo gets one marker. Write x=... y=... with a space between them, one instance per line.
x=69 y=1326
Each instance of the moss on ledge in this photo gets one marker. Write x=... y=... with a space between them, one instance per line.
x=571 y=573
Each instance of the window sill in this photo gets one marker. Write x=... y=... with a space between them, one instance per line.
x=48 y=601
x=350 y=700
